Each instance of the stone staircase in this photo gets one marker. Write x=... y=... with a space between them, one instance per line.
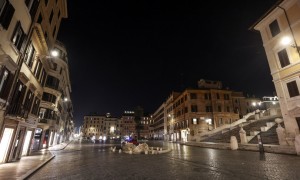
x=265 y=127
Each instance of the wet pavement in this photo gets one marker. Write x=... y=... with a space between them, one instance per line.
x=97 y=161
x=27 y=165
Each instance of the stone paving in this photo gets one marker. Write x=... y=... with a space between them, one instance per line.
x=28 y=164
x=96 y=161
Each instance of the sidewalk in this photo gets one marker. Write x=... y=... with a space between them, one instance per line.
x=29 y=164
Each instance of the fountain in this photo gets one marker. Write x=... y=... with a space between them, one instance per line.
x=142 y=148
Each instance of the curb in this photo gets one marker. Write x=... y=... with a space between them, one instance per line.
x=30 y=172
x=61 y=148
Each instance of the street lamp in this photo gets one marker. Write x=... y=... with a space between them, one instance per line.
x=54 y=53
x=287 y=40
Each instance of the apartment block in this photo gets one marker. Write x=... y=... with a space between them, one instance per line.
x=279 y=28
x=35 y=89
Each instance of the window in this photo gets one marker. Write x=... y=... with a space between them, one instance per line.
x=219 y=108
x=47 y=114
x=49 y=97
x=220 y=121
x=195 y=121
x=28 y=100
x=228 y=109
x=32 y=6
x=37 y=70
x=18 y=97
x=52 y=82
x=193 y=96
x=36 y=104
x=194 y=108
x=46 y=2
x=283 y=58
x=29 y=55
x=274 y=28
x=6 y=13
x=226 y=97
x=6 y=79
x=207 y=96
x=18 y=36
x=43 y=77
x=208 y=109
x=293 y=89
x=218 y=96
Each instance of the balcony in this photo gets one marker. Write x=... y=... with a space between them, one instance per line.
x=45 y=121
x=50 y=122
x=19 y=110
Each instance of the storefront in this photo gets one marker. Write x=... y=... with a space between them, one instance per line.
x=16 y=138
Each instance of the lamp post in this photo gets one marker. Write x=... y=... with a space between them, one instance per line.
x=171 y=130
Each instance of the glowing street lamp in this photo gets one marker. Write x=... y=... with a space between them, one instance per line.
x=286 y=40
x=54 y=53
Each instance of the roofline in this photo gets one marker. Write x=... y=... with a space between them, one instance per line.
x=251 y=28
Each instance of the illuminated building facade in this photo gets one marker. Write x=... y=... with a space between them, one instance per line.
x=28 y=31
x=280 y=32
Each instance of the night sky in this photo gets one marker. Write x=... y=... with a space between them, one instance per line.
x=124 y=54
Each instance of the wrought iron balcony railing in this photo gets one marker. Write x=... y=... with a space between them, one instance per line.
x=18 y=109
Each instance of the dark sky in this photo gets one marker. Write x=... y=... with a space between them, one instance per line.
x=128 y=53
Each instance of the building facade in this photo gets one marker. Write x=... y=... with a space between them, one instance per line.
x=101 y=127
x=185 y=115
x=28 y=31
x=280 y=32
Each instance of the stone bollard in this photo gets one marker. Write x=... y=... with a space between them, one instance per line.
x=297 y=144
x=281 y=132
x=233 y=143
x=130 y=151
x=153 y=151
x=146 y=152
x=120 y=150
x=243 y=136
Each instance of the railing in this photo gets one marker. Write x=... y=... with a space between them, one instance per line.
x=43 y=121
x=18 y=109
x=52 y=86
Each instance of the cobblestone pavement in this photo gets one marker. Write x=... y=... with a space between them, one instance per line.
x=96 y=161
